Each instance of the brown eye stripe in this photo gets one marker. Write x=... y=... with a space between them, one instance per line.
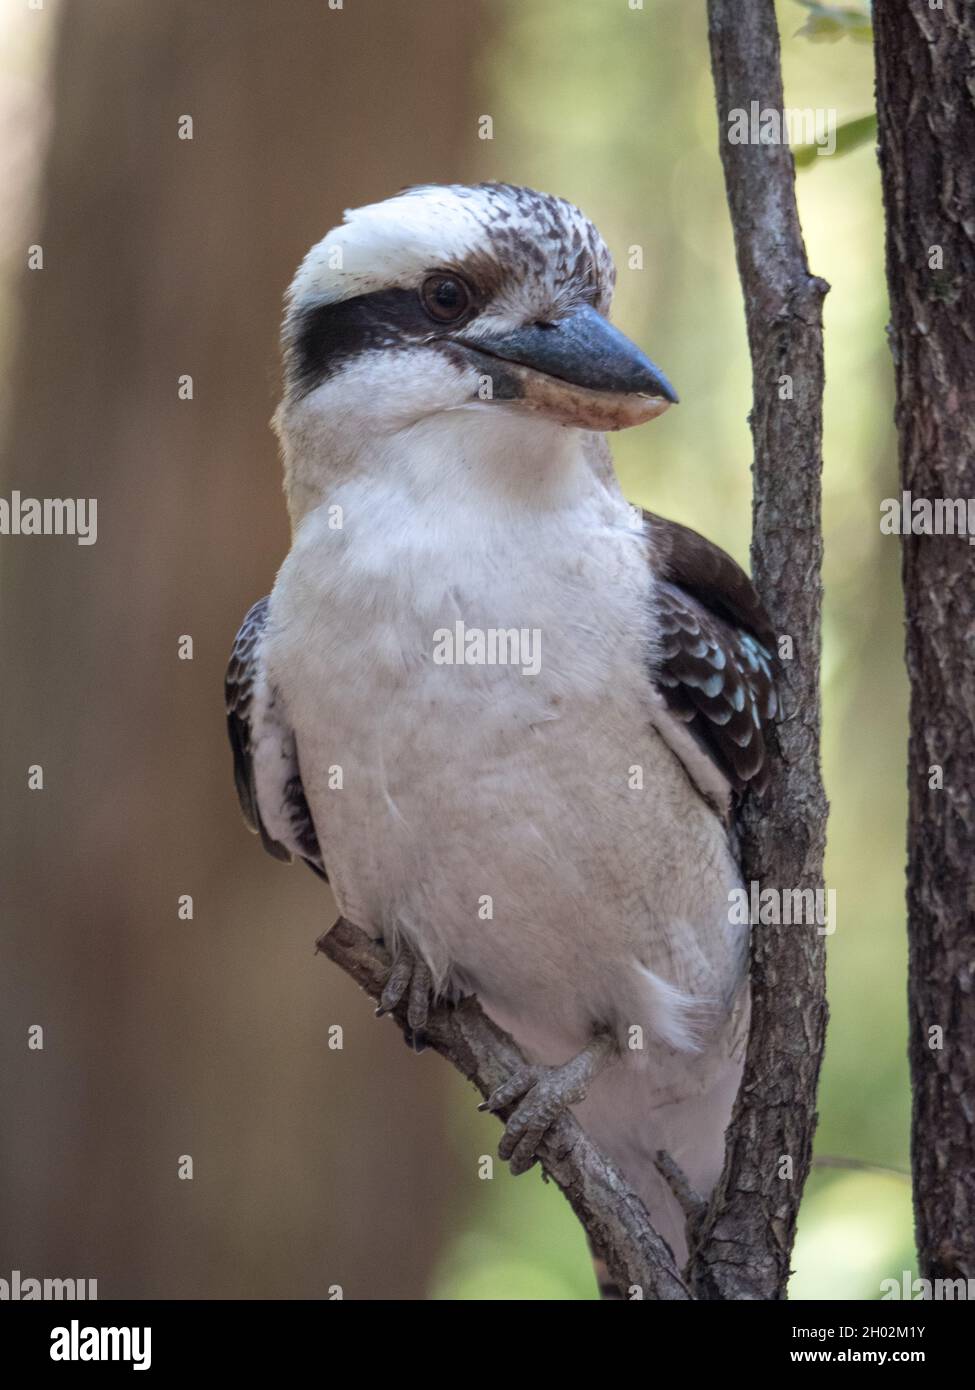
x=326 y=335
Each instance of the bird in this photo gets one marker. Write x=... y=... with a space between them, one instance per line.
x=509 y=716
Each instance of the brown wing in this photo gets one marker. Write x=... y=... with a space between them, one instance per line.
x=716 y=660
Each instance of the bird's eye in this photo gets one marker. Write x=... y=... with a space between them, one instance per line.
x=446 y=298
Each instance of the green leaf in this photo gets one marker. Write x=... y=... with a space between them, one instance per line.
x=827 y=23
x=849 y=136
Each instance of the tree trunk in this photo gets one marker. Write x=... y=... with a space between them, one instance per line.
x=744 y=1245
x=925 y=59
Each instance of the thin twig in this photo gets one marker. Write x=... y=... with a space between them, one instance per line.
x=692 y=1204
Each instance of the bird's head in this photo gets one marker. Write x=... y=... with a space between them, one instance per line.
x=462 y=298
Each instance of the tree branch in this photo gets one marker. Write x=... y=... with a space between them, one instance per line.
x=743 y=1247
x=610 y=1212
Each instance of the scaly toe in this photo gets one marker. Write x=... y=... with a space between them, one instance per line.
x=525 y=1154
x=418 y=1009
x=516 y=1086
x=397 y=984
x=528 y=1126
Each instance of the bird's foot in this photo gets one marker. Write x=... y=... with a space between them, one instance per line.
x=544 y=1094
x=409 y=978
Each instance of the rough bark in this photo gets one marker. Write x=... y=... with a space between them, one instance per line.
x=744 y=1243
x=926 y=110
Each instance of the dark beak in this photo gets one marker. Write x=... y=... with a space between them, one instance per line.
x=582 y=350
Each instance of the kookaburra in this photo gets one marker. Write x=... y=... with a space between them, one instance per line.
x=555 y=835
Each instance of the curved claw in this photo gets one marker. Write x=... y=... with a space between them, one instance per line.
x=518 y=1084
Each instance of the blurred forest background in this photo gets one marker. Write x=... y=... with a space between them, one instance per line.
x=165 y=1037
